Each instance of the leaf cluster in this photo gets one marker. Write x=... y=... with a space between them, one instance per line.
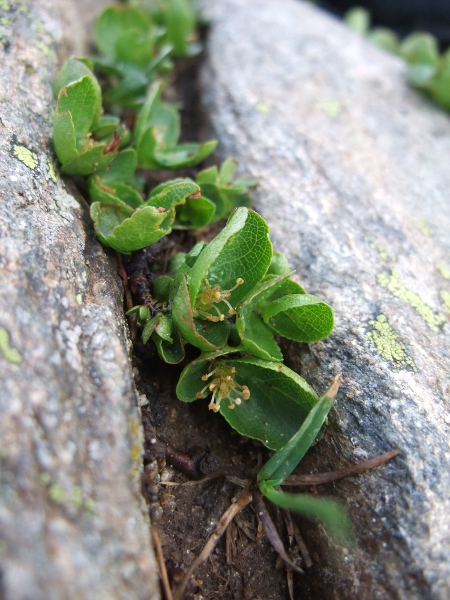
x=426 y=68
x=231 y=298
x=135 y=45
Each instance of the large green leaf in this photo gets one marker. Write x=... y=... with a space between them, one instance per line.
x=299 y=317
x=241 y=250
x=283 y=462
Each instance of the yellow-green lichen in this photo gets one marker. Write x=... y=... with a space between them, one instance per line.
x=56 y=493
x=392 y=282
x=29 y=158
x=11 y=354
x=79 y=298
x=5 y=5
x=385 y=340
x=443 y=270
x=382 y=251
x=263 y=107
x=446 y=299
x=425 y=228
x=330 y=107
x=51 y=171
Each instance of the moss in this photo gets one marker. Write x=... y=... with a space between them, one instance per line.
x=26 y=156
x=392 y=282
x=385 y=340
x=11 y=354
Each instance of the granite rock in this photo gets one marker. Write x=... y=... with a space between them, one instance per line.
x=354 y=180
x=72 y=521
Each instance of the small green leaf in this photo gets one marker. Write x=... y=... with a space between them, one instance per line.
x=326 y=510
x=80 y=100
x=117 y=22
x=64 y=139
x=124 y=233
x=89 y=162
x=183 y=155
x=195 y=214
x=205 y=335
x=420 y=48
x=299 y=317
x=149 y=327
x=439 y=85
x=180 y=22
x=161 y=288
x=168 y=342
x=358 y=20
x=256 y=336
x=107 y=125
x=386 y=39
x=121 y=169
x=279 y=265
x=75 y=69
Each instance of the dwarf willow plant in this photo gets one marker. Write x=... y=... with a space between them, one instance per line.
x=230 y=298
x=426 y=68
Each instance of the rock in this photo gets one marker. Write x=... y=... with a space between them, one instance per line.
x=72 y=522
x=354 y=180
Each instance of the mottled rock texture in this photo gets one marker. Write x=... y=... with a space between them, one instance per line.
x=71 y=519
x=354 y=182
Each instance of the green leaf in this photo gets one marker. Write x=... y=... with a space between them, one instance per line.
x=121 y=169
x=80 y=100
x=191 y=382
x=121 y=194
x=172 y=193
x=195 y=214
x=168 y=342
x=386 y=39
x=255 y=335
x=439 y=85
x=279 y=402
x=205 y=335
x=241 y=250
x=283 y=462
x=183 y=155
x=149 y=327
x=161 y=288
x=73 y=70
x=64 y=139
x=124 y=233
x=299 y=317
x=107 y=125
x=420 y=48
x=180 y=22
x=326 y=510
x=117 y=22
x=358 y=20
x=89 y=162
x=279 y=265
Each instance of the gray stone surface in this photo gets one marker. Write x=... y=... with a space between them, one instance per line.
x=72 y=522
x=354 y=182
